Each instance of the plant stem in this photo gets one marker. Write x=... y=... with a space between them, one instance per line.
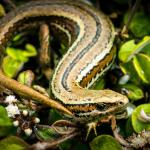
x=51 y=144
x=132 y=13
x=26 y=91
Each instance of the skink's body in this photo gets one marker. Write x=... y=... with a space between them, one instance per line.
x=90 y=37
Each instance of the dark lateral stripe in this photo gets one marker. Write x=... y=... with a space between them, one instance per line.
x=83 y=52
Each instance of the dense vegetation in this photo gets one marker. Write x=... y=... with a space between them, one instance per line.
x=23 y=122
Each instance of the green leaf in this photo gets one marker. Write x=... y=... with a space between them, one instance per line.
x=105 y=142
x=21 y=55
x=140 y=24
x=54 y=116
x=137 y=124
x=30 y=51
x=16 y=54
x=16 y=58
x=2 y=11
x=17 y=37
x=26 y=77
x=4 y=119
x=47 y=134
x=141 y=63
x=129 y=49
x=5 y=122
x=146 y=48
x=128 y=68
x=14 y=143
x=126 y=50
x=133 y=91
x=136 y=65
x=11 y=66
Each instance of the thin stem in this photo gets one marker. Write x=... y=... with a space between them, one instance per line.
x=26 y=91
x=120 y=139
x=132 y=13
x=133 y=10
x=44 y=36
x=48 y=145
x=98 y=4
x=10 y=3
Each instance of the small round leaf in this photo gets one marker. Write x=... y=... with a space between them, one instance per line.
x=105 y=142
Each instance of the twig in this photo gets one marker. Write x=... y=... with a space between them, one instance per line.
x=133 y=10
x=26 y=91
x=48 y=145
x=44 y=55
x=10 y=3
x=120 y=138
x=98 y=4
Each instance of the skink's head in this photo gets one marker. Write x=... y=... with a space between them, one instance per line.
x=106 y=103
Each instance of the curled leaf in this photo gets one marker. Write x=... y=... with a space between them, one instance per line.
x=137 y=123
x=22 y=55
x=133 y=92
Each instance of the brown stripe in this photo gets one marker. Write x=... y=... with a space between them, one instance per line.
x=97 y=69
x=81 y=108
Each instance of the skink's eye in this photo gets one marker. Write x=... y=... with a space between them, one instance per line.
x=102 y=107
x=121 y=103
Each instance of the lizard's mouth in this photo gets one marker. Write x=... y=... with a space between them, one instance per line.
x=122 y=113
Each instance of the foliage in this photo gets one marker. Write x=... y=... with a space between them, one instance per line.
x=140 y=23
x=138 y=124
x=13 y=142
x=104 y=142
x=17 y=57
x=6 y=125
x=135 y=60
x=129 y=75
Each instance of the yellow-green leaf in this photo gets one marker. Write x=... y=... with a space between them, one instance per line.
x=128 y=68
x=141 y=63
x=30 y=50
x=137 y=124
x=126 y=50
x=129 y=49
x=26 y=77
x=22 y=55
x=16 y=54
x=11 y=66
x=2 y=11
